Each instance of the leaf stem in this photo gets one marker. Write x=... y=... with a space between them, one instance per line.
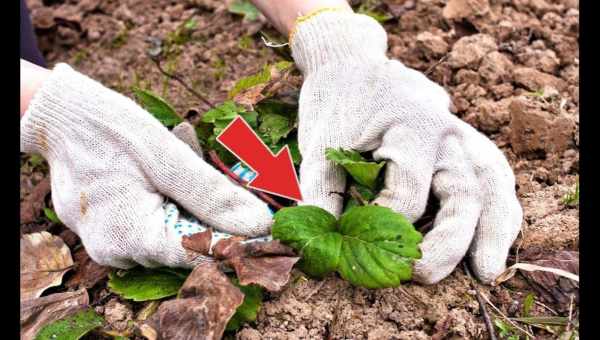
x=357 y=196
x=219 y=163
x=486 y=316
x=183 y=83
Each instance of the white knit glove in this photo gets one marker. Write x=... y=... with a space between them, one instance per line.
x=354 y=97
x=112 y=164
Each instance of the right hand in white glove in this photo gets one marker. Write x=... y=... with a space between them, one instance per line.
x=112 y=164
x=354 y=97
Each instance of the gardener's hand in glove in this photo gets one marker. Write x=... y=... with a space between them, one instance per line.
x=354 y=97
x=112 y=164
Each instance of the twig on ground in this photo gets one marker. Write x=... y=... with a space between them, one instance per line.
x=568 y=328
x=183 y=83
x=432 y=67
x=506 y=317
x=412 y=297
x=519 y=245
x=486 y=316
x=314 y=291
x=357 y=196
x=219 y=163
x=546 y=307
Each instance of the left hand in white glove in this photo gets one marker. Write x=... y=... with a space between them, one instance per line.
x=112 y=164
x=354 y=97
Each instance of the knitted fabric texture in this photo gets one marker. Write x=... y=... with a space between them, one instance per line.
x=112 y=164
x=354 y=97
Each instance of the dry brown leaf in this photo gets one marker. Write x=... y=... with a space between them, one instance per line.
x=228 y=248
x=233 y=247
x=87 y=272
x=268 y=264
x=207 y=301
x=44 y=260
x=274 y=247
x=512 y=270
x=251 y=96
x=32 y=205
x=36 y=313
x=270 y=272
x=554 y=275
x=198 y=242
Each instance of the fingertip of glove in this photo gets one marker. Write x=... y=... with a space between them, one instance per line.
x=262 y=225
x=427 y=277
x=487 y=271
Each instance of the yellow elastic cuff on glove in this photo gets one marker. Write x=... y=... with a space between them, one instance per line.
x=311 y=15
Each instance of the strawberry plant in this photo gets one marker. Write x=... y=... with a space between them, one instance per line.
x=369 y=246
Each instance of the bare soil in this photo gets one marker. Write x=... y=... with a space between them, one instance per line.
x=511 y=67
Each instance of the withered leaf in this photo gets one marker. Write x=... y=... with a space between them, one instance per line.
x=198 y=242
x=274 y=247
x=553 y=288
x=44 y=260
x=229 y=247
x=32 y=205
x=270 y=272
x=233 y=247
x=207 y=301
x=267 y=264
x=36 y=313
x=251 y=96
x=87 y=272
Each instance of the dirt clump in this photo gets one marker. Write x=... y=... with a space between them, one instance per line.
x=469 y=50
x=533 y=129
x=118 y=314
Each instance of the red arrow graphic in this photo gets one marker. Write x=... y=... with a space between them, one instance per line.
x=275 y=173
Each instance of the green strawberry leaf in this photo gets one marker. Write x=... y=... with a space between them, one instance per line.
x=158 y=107
x=71 y=328
x=226 y=111
x=292 y=142
x=361 y=170
x=248 y=310
x=378 y=248
x=245 y=8
x=275 y=126
x=144 y=284
x=251 y=118
x=312 y=232
x=370 y=246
